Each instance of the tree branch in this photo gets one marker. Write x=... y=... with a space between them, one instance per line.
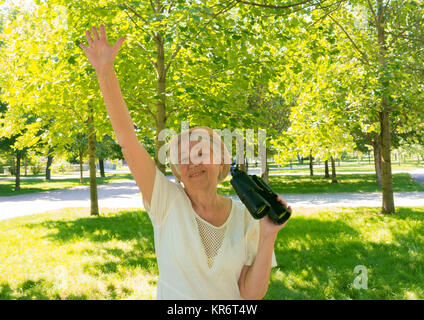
x=327 y=13
x=143 y=105
x=179 y=46
x=148 y=53
x=137 y=15
x=364 y=57
x=153 y=6
x=174 y=54
x=400 y=35
x=272 y=6
x=373 y=12
x=386 y=6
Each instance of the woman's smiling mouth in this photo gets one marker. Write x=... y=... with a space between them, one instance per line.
x=196 y=174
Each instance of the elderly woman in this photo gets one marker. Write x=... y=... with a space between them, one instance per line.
x=207 y=246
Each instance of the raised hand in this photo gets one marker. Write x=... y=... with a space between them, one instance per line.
x=100 y=53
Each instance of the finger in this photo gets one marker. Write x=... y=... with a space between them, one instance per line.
x=83 y=47
x=118 y=44
x=95 y=33
x=89 y=39
x=103 y=35
x=282 y=201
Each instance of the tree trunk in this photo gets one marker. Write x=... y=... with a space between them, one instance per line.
x=26 y=166
x=311 y=166
x=388 y=205
x=80 y=163
x=377 y=159
x=265 y=174
x=92 y=165
x=333 y=170
x=18 y=171
x=242 y=167
x=48 y=166
x=327 y=174
x=161 y=103
x=102 y=167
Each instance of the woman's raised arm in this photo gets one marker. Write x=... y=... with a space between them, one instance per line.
x=101 y=56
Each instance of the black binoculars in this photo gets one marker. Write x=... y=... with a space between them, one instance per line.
x=258 y=197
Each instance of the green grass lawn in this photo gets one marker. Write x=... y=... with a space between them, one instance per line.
x=318 y=184
x=319 y=250
x=281 y=184
x=348 y=167
x=69 y=255
x=37 y=185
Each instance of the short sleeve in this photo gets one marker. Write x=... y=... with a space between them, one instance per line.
x=164 y=192
x=252 y=243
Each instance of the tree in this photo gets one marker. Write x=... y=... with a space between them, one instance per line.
x=92 y=163
x=385 y=45
x=52 y=87
x=380 y=47
x=107 y=148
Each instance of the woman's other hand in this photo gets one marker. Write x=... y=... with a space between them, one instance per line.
x=100 y=53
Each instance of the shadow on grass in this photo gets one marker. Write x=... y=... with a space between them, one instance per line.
x=128 y=225
x=316 y=260
x=133 y=228
x=32 y=290
x=141 y=255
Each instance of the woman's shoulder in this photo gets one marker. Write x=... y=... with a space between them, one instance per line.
x=169 y=182
x=238 y=205
x=165 y=192
x=243 y=215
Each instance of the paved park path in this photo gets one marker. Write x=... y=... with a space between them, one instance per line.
x=418 y=176
x=125 y=194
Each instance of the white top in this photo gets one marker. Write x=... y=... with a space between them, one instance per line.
x=196 y=259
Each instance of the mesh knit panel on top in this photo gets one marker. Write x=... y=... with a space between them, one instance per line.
x=211 y=238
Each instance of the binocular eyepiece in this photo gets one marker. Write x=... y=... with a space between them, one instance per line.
x=259 y=199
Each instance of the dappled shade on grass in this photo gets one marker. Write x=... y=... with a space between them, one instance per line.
x=106 y=257
x=318 y=251
x=70 y=255
x=125 y=227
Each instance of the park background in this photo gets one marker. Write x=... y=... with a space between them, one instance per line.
x=337 y=85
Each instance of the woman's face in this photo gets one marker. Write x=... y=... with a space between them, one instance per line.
x=196 y=166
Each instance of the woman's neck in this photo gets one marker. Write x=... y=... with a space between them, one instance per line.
x=211 y=206
x=204 y=200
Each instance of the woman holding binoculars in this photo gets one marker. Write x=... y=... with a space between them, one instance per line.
x=207 y=246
